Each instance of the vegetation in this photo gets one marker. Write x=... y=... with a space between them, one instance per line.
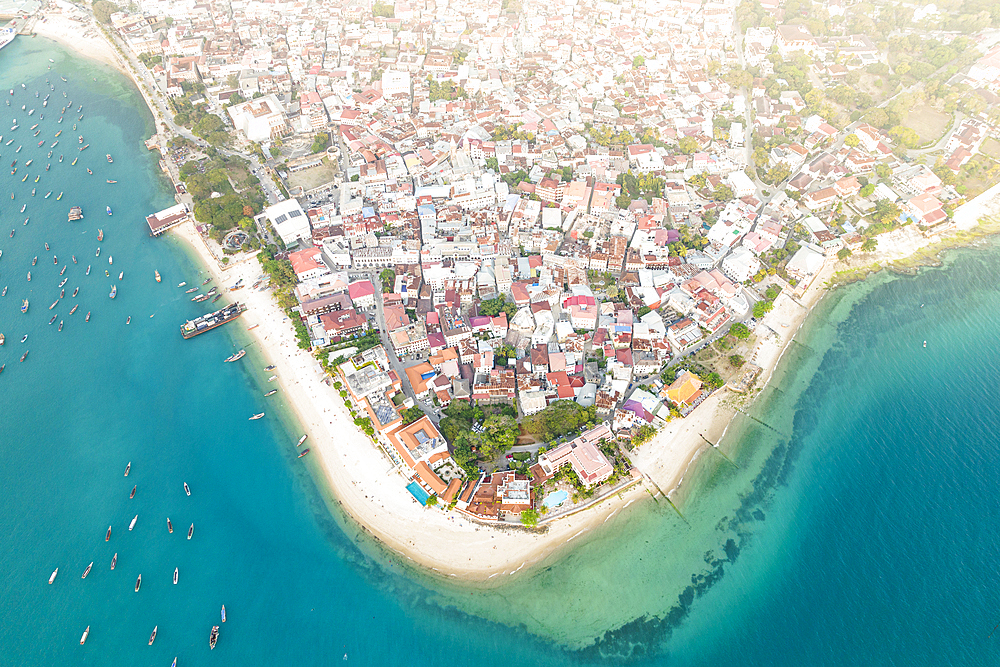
x=104 y=9
x=498 y=433
x=493 y=307
x=558 y=419
x=736 y=361
x=320 y=142
x=642 y=186
x=739 y=330
x=388 y=280
x=445 y=91
x=383 y=10
x=530 y=517
x=411 y=415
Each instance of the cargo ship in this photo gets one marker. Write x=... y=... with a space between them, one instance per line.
x=192 y=328
x=7 y=36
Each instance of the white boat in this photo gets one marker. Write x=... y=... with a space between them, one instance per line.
x=187 y=489
x=86 y=633
x=301 y=440
x=257 y=416
x=175 y=575
x=132 y=524
x=7 y=36
x=52 y=577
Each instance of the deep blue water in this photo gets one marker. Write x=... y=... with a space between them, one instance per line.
x=862 y=530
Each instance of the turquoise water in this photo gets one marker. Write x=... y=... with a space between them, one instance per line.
x=555 y=498
x=858 y=528
x=418 y=492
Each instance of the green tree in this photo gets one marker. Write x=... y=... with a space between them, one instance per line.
x=638 y=62
x=499 y=434
x=529 y=517
x=843 y=253
x=883 y=170
x=867 y=190
x=320 y=142
x=623 y=201
x=852 y=140
x=388 y=280
x=104 y=9
x=869 y=245
x=432 y=501
x=905 y=135
x=493 y=164
x=688 y=145
x=736 y=361
x=739 y=330
x=762 y=308
x=411 y=415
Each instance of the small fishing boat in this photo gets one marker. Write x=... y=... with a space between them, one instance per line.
x=270 y=367
x=217 y=297
x=182 y=284
x=272 y=378
x=251 y=328
x=60 y=325
x=223 y=613
x=170 y=526
x=73 y=163
x=129 y=466
x=86 y=633
x=24 y=306
x=206 y=281
x=236 y=356
x=74 y=258
x=100 y=234
x=152 y=636
x=87 y=571
x=52 y=577
x=128 y=320
x=108 y=209
x=112 y=181
x=76 y=291
x=121 y=275
x=109 y=157
x=271 y=393
x=257 y=416
x=114 y=560
x=214 y=637
x=89 y=171
x=98 y=253
x=138 y=582
x=191 y=531
x=175 y=575
x=60 y=194
x=114 y=291
x=187 y=489
x=73 y=309
x=87 y=319
x=131 y=525
x=303 y=453
x=25 y=355
x=107 y=536
x=302 y=439
x=4 y=293
x=132 y=495
x=53 y=319
x=157 y=274
x=193 y=289
x=88 y=270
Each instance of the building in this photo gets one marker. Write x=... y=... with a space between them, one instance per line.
x=362 y=293
x=167 y=218
x=583 y=455
x=289 y=221
x=685 y=389
x=740 y=264
x=261 y=119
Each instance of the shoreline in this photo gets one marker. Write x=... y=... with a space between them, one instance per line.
x=362 y=481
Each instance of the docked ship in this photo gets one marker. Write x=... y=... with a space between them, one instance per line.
x=192 y=328
x=7 y=36
x=75 y=213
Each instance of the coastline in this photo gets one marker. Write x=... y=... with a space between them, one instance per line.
x=77 y=31
x=363 y=482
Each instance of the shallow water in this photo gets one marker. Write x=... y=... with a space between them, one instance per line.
x=858 y=527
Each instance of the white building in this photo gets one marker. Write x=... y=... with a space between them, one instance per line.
x=741 y=184
x=395 y=83
x=289 y=221
x=740 y=264
x=261 y=119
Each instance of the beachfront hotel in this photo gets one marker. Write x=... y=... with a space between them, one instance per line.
x=583 y=455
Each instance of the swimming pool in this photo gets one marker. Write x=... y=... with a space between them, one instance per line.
x=554 y=499
x=417 y=492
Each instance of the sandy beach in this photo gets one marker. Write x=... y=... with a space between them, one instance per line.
x=75 y=29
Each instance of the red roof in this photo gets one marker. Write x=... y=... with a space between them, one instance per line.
x=361 y=288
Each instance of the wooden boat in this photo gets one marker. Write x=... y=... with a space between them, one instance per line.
x=86 y=633
x=191 y=531
x=138 y=583
x=87 y=571
x=170 y=526
x=107 y=537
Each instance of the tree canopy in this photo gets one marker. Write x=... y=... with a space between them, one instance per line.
x=104 y=9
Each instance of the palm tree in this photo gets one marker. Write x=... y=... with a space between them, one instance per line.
x=869 y=245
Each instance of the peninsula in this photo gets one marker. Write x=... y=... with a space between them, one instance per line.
x=513 y=280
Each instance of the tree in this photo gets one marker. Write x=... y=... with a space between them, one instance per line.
x=411 y=415
x=852 y=140
x=638 y=62
x=844 y=253
x=355 y=178
x=493 y=164
x=739 y=330
x=493 y=307
x=883 y=170
x=869 y=245
x=736 y=361
x=623 y=201
x=688 y=145
x=762 y=308
x=320 y=142
x=867 y=190
x=104 y=9
x=432 y=501
x=722 y=193
x=530 y=517
x=886 y=211
x=499 y=434
x=905 y=135
x=388 y=280
x=383 y=10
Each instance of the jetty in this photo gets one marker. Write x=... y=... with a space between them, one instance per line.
x=169 y=217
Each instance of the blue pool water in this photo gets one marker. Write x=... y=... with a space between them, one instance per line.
x=418 y=492
x=555 y=498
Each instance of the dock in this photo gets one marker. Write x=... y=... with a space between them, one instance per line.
x=169 y=217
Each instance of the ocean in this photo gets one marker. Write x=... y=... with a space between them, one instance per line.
x=855 y=525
